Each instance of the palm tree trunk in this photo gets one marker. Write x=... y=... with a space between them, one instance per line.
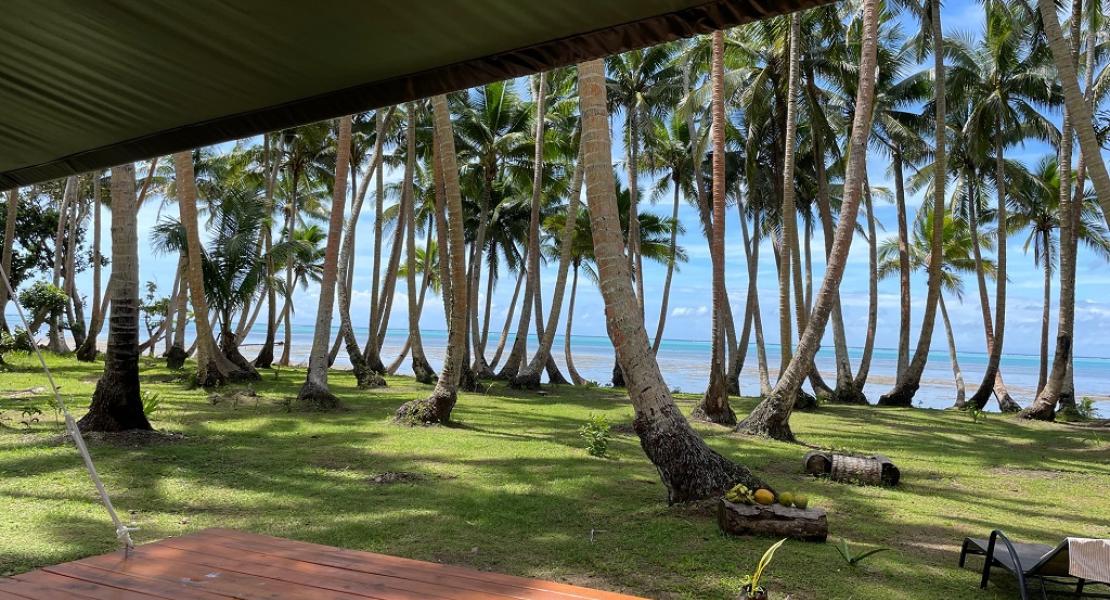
x=480 y=367
x=1078 y=107
x=554 y=376
x=10 y=216
x=714 y=406
x=508 y=320
x=990 y=377
x=751 y=247
x=69 y=199
x=116 y=404
x=77 y=318
x=670 y=271
x=635 y=261
x=788 y=211
x=575 y=377
x=529 y=378
x=437 y=407
x=820 y=388
x=391 y=368
x=265 y=357
x=903 y=392
x=491 y=280
x=420 y=367
x=290 y=277
x=314 y=392
x=372 y=349
x=903 y=265
x=87 y=351
x=872 y=293
x=772 y=416
x=957 y=374
x=1046 y=308
x=689 y=468
x=176 y=356
x=532 y=260
x=213 y=368
x=388 y=292
x=1077 y=121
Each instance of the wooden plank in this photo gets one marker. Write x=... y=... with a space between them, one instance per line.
x=220 y=583
x=151 y=587
x=368 y=561
x=50 y=587
x=211 y=551
x=463 y=587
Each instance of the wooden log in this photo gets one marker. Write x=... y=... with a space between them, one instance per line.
x=863 y=470
x=776 y=520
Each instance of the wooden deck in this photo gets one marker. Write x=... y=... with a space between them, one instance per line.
x=216 y=564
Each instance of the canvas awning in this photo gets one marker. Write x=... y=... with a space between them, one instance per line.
x=86 y=85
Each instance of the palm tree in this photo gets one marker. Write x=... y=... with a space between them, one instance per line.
x=314 y=392
x=771 y=416
x=438 y=406
x=688 y=467
x=904 y=390
x=116 y=403
x=957 y=260
x=1036 y=206
x=213 y=368
x=420 y=367
x=714 y=406
x=1005 y=79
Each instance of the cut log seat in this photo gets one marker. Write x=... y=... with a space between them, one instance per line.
x=864 y=470
x=776 y=520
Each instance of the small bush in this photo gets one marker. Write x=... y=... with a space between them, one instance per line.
x=1086 y=409
x=596 y=433
x=19 y=341
x=151 y=402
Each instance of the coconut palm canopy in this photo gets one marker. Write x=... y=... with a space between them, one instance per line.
x=89 y=85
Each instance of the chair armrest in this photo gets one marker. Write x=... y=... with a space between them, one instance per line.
x=1019 y=571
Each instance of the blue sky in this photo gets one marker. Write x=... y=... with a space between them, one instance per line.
x=690 y=295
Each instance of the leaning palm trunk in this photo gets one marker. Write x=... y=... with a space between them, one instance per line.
x=772 y=416
x=872 y=295
x=846 y=390
x=575 y=377
x=670 y=271
x=1046 y=309
x=689 y=468
x=990 y=377
x=714 y=406
x=751 y=248
x=315 y=393
x=529 y=378
x=904 y=390
x=88 y=350
x=957 y=374
x=9 y=242
x=77 y=318
x=391 y=368
x=516 y=358
x=420 y=367
x=116 y=404
x=1078 y=107
x=265 y=357
x=213 y=368
x=904 y=299
x=69 y=199
x=508 y=320
x=175 y=357
x=437 y=407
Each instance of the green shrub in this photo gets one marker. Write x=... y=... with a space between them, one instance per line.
x=43 y=300
x=596 y=433
x=151 y=402
x=1086 y=409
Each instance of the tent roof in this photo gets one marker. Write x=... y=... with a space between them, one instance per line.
x=86 y=85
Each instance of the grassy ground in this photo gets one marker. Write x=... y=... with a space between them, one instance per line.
x=510 y=487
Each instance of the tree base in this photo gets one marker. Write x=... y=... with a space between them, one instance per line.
x=848 y=395
x=433 y=410
x=265 y=358
x=116 y=405
x=689 y=468
x=806 y=401
x=423 y=371
x=87 y=352
x=734 y=384
x=468 y=382
x=175 y=358
x=714 y=406
x=554 y=377
x=618 y=376
x=771 y=418
x=314 y=396
x=526 y=381
x=1043 y=409
x=367 y=380
x=901 y=396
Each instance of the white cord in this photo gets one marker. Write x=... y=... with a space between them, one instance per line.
x=123 y=532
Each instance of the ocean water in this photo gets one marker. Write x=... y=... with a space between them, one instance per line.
x=685 y=365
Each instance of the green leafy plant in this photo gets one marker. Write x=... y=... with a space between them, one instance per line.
x=977 y=415
x=1086 y=409
x=855 y=559
x=30 y=415
x=17 y=341
x=596 y=433
x=752 y=588
x=151 y=402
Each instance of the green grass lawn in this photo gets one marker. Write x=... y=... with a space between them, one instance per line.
x=509 y=487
